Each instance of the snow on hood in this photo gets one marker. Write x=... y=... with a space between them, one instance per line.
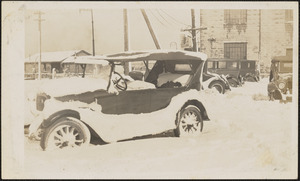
x=74 y=85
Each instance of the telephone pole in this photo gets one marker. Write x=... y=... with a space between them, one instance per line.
x=150 y=28
x=126 y=44
x=93 y=36
x=195 y=49
x=193 y=31
x=40 y=30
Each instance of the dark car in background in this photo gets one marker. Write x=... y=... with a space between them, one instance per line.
x=249 y=70
x=228 y=67
x=213 y=80
x=236 y=71
x=281 y=78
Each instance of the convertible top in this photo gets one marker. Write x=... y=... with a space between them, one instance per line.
x=156 y=55
x=131 y=56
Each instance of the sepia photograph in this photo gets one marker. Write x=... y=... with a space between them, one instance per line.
x=149 y=90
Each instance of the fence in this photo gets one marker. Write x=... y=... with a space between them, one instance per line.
x=33 y=76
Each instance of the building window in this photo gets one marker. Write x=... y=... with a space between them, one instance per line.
x=235 y=16
x=235 y=50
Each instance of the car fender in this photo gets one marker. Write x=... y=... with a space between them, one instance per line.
x=206 y=83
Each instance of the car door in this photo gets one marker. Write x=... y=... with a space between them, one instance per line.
x=133 y=101
x=228 y=67
x=161 y=97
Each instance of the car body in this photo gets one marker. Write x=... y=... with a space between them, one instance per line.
x=120 y=107
x=249 y=70
x=228 y=67
x=281 y=78
x=237 y=71
x=213 y=80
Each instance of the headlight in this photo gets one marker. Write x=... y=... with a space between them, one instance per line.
x=281 y=85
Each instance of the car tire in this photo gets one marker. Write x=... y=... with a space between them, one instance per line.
x=65 y=132
x=219 y=86
x=232 y=83
x=250 y=79
x=189 y=122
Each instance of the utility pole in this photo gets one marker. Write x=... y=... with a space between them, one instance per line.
x=40 y=30
x=194 y=31
x=126 y=44
x=259 y=41
x=93 y=36
x=150 y=28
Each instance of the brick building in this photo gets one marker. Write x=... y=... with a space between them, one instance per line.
x=246 y=34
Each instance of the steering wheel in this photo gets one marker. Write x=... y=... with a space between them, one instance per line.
x=119 y=81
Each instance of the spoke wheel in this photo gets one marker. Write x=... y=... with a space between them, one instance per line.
x=65 y=133
x=190 y=122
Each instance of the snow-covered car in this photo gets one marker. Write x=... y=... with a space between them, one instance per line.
x=281 y=79
x=213 y=80
x=115 y=107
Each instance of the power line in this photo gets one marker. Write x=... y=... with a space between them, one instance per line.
x=157 y=18
x=174 y=18
x=163 y=18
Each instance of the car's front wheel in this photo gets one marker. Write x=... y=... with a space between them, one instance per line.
x=189 y=122
x=232 y=83
x=65 y=132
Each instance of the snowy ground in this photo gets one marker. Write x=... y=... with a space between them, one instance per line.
x=247 y=137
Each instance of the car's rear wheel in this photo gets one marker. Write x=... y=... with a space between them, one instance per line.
x=189 y=122
x=232 y=83
x=65 y=132
x=219 y=86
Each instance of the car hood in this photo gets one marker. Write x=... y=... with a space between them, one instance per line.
x=67 y=86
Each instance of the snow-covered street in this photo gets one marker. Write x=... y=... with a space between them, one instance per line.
x=247 y=137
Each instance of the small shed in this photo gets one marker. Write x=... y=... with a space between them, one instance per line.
x=51 y=60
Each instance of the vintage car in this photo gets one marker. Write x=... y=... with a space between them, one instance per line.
x=114 y=107
x=249 y=70
x=236 y=71
x=281 y=79
x=228 y=67
x=212 y=80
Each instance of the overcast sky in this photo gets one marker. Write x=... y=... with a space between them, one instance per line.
x=70 y=29
x=65 y=27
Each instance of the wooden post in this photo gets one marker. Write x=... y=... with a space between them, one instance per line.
x=150 y=28
x=126 y=45
x=193 y=31
x=40 y=30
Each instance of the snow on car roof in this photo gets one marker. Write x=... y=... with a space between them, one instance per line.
x=100 y=60
x=156 y=55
